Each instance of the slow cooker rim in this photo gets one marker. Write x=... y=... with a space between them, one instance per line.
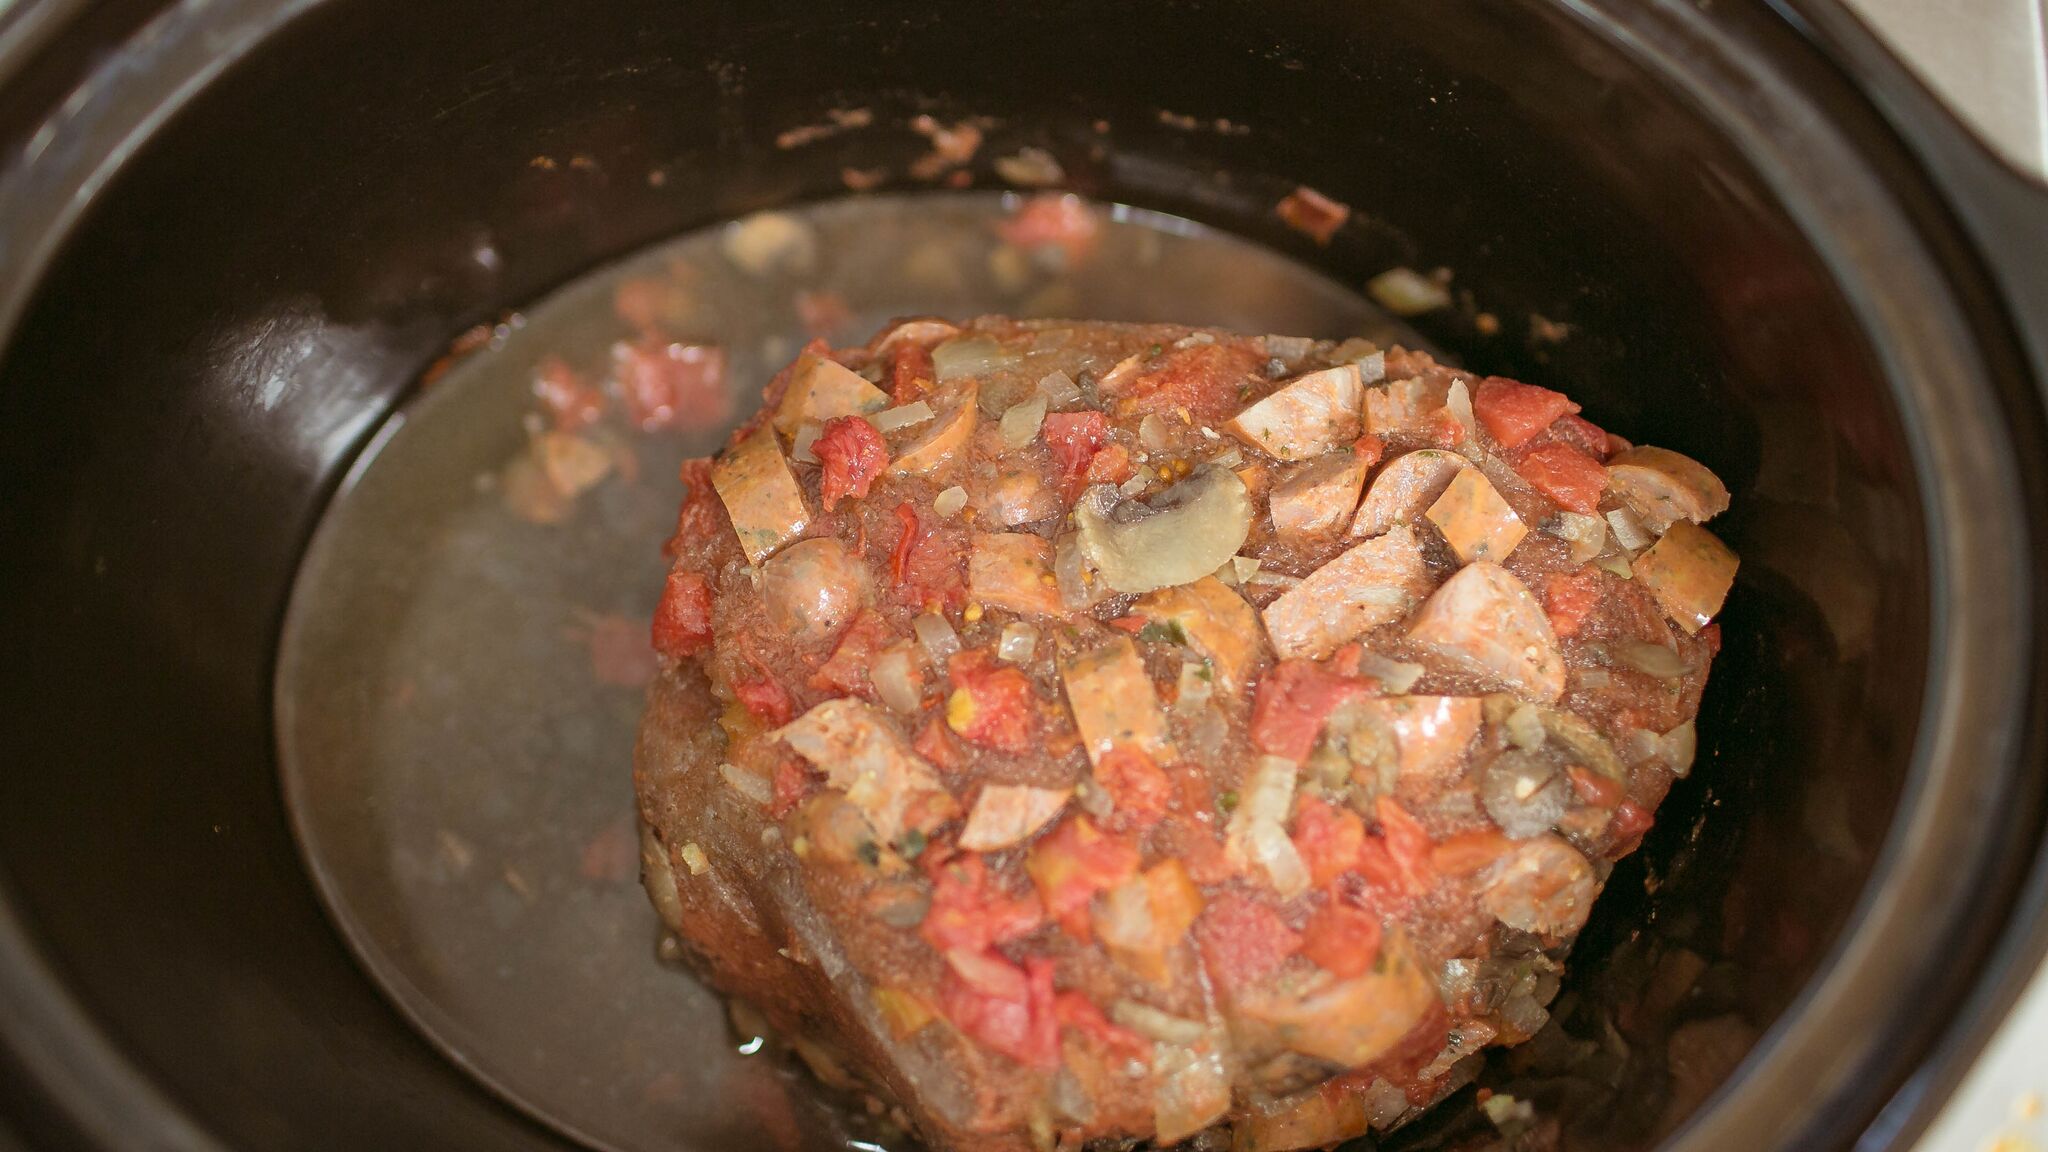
x=53 y=1037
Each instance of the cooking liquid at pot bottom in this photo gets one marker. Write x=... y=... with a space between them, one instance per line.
x=465 y=654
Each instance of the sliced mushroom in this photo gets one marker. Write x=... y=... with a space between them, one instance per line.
x=1187 y=532
x=1484 y=620
x=1405 y=487
x=1305 y=417
x=812 y=589
x=1373 y=583
x=1664 y=487
x=760 y=495
x=821 y=389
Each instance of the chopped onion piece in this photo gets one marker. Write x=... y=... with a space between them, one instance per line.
x=1059 y=389
x=1396 y=677
x=694 y=858
x=1191 y=697
x=800 y=446
x=1267 y=846
x=1136 y=485
x=971 y=356
x=1228 y=458
x=1152 y=432
x=1021 y=423
x=1628 y=530
x=895 y=681
x=1372 y=367
x=1458 y=402
x=746 y=783
x=1642 y=746
x=1247 y=566
x=1586 y=534
x=1283 y=580
x=1191 y=1090
x=1594 y=679
x=1617 y=564
x=1525 y=727
x=937 y=635
x=1157 y=1025
x=901 y=416
x=1289 y=347
x=1018 y=643
x=1406 y=292
x=1681 y=744
x=949 y=502
x=1651 y=659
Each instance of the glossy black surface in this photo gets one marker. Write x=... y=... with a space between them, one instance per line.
x=201 y=332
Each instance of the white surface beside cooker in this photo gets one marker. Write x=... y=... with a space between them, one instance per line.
x=1989 y=60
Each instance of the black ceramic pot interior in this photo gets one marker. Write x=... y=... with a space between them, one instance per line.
x=270 y=271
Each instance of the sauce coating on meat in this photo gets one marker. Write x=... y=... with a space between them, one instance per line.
x=1114 y=731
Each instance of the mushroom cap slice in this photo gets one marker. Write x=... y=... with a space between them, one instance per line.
x=1191 y=530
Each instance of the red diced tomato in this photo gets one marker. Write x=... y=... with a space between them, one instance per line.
x=926 y=564
x=1003 y=1007
x=571 y=401
x=1567 y=476
x=682 y=619
x=1341 y=940
x=1191 y=831
x=911 y=373
x=1581 y=434
x=1408 y=843
x=1058 y=220
x=970 y=912
x=1075 y=438
x=1138 y=789
x=764 y=697
x=1328 y=838
x=1514 y=413
x=792 y=783
x=851 y=454
x=1202 y=379
x=1468 y=852
x=1243 y=941
x=846 y=673
x=1629 y=826
x=702 y=515
x=1594 y=788
x=1443 y=429
x=673 y=386
x=1078 y=1012
x=1293 y=701
x=1073 y=862
x=992 y=704
x=937 y=744
x=1569 y=598
x=906 y=515
x=1112 y=465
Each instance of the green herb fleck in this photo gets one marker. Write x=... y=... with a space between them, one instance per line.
x=912 y=845
x=1163 y=632
x=1204 y=674
x=1153 y=352
x=869 y=852
x=1227 y=802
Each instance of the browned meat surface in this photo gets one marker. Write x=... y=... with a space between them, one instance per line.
x=1080 y=732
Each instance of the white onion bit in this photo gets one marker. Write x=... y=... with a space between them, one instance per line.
x=746 y=783
x=800 y=446
x=937 y=635
x=895 y=680
x=901 y=416
x=1059 y=389
x=949 y=502
x=1628 y=529
x=1019 y=641
x=1021 y=423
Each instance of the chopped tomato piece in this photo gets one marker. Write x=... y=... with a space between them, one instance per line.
x=1062 y=221
x=1004 y=1007
x=1078 y=1012
x=1370 y=450
x=1443 y=429
x=1075 y=438
x=1408 y=843
x=992 y=704
x=1594 y=788
x=1112 y=465
x=938 y=745
x=673 y=386
x=906 y=515
x=1313 y=214
x=927 y=562
x=764 y=697
x=1072 y=863
x=1581 y=434
x=1570 y=478
x=1138 y=789
x=1202 y=379
x=1341 y=940
x=1328 y=838
x=846 y=672
x=571 y=401
x=1570 y=597
x=1514 y=413
x=968 y=911
x=793 y=782
x=702 y=515
x=911 y=373
x=1293 y=701
x=852 y=455
x=1629 y=826
x=1468 y=852
x=1191 y=831
x=682 y=619
x=1243 y=941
